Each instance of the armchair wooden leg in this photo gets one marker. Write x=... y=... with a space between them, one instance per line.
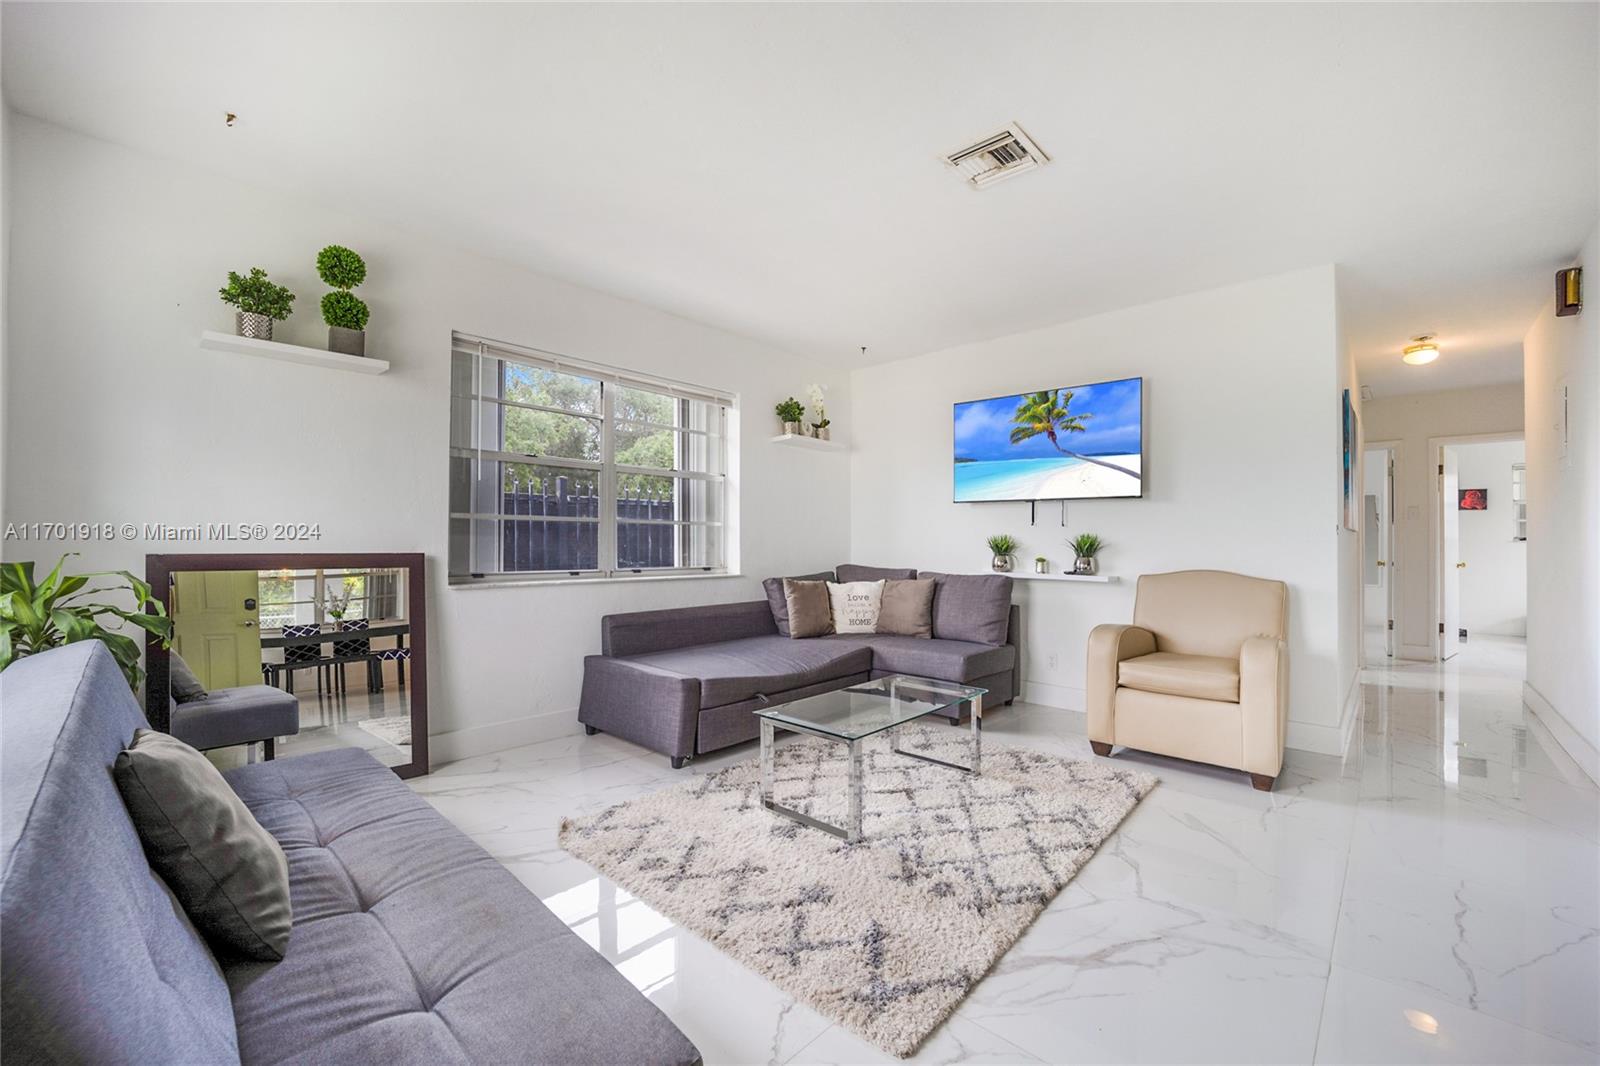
x=1261 y=782
x=1100 y=747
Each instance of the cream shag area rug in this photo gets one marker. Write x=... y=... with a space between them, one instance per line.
x=886 y=936
x=396 y=730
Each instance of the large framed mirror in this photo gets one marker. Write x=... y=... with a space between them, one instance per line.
x=282 y=655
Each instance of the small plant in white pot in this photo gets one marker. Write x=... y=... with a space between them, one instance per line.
x=819 y=428
x=1003 y=547
x=791 y=413
x=1086 y=546
x=259 y=302
x=345 y=313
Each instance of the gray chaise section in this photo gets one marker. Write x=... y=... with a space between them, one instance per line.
x=410 y=943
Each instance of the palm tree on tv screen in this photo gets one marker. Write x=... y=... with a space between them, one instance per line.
x=1050 y=413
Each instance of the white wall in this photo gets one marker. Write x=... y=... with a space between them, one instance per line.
x=116 y=414
x=1412 y=420
x=1348 y=545
x=1242 y=440
x=1494 y=584
x=1564 y=520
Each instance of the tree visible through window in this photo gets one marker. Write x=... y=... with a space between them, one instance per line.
x=565 y=469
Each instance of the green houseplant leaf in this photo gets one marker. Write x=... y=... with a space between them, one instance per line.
x=257 y=295
x=38 y=616
x=1086 y=545
x=1002 y=544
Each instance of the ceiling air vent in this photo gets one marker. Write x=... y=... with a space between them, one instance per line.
x=997 y=157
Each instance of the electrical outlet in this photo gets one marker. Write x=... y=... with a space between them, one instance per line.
x=1053 y=661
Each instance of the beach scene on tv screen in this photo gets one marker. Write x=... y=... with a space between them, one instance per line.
x=1084 y=442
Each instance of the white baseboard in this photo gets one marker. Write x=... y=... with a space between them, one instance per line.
x=498 y=736
x=1047 y=695
x=1583 y=753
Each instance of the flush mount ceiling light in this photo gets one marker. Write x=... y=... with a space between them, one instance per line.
x=1421 y=350
x=995 y=158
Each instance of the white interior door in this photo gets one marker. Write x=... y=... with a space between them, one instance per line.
x=1388 y=563
x=1450 y=563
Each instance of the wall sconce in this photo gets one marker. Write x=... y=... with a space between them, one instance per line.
x=1569 y=291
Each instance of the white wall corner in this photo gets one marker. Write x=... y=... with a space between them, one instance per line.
x=1329 y=739
x=1583 y=753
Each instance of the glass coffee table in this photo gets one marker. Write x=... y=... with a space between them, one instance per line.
x=849 y=715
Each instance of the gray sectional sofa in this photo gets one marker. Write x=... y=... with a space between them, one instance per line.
x=410 y=944
x=684 y=681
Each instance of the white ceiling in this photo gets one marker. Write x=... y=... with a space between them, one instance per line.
x=775 y=169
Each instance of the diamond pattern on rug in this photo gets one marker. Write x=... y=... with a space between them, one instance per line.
x=885 y=936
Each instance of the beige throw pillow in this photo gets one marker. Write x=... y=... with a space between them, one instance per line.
x=855 y=606
x=807 y=601
x=907 y=608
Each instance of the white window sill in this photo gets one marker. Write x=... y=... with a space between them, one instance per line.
x=630 y=579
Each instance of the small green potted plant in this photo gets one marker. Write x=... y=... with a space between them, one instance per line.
x=1086 y=546
x=791 y=413
x=1041 y=565
x=259 y=302
x=37 y=615
x=1003 y=546
x=345 y=313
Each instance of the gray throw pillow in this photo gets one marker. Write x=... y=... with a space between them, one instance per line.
x=907 y=608
x=181 y=682
x=974 y=607
x=779 y=605
x=227 y=872
x=810 y=614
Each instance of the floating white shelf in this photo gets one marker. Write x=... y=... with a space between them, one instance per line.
x=291 y=353
x=1098 y=579
x=798 y=441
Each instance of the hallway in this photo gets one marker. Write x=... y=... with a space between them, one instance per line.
x=1474 y=871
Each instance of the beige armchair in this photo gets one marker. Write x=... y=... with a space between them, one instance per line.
x=1202 y=674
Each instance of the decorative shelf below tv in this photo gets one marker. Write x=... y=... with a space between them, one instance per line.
x=797 y=440
x=1098 y=579
x=291 y=353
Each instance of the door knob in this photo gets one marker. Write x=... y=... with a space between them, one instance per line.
x=248 y=625
x=1461 y=566
x=1382 y=563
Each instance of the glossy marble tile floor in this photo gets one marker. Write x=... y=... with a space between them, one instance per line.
x=1431 y=897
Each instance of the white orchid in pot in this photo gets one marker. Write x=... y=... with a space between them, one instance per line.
x=817 y=394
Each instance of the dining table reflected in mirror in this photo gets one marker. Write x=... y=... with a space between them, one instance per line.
x=286 y=655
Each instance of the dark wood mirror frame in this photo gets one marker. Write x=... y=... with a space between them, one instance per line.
x=158 y=571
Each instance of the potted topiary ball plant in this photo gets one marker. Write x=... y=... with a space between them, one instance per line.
x=259 y=303
x=345 y=313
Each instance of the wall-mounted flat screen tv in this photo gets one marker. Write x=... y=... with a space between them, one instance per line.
x=1085 y=442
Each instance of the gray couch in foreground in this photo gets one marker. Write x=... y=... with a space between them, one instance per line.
x=410 y=943
x=684 y=681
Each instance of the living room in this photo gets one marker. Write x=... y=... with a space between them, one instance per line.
x=493 y=476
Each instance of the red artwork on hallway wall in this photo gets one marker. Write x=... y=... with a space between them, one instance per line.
x=1473 y=500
